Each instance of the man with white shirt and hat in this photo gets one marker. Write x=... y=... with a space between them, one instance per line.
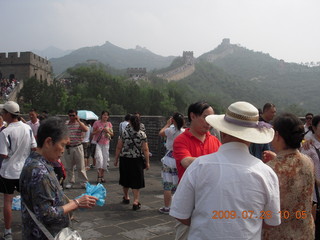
x=230 y=194
x=16 y=143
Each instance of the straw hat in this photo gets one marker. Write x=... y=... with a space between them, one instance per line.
x=242 y=121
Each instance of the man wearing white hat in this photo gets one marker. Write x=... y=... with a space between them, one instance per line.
x=230 y=194
x=16 y=142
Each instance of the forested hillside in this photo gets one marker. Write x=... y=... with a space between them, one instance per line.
x=291 y=86
x=226 y=74
x=91 y=87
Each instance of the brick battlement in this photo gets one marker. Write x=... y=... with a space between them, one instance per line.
x=25 y=65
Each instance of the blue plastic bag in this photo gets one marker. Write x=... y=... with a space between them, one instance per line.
x=16 y=203
x=98 y=191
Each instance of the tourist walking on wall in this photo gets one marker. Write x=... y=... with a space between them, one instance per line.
x=73 y=154
x=16 y=142
x=132 y=151
x=169 y=172
x=124 y=124
x=102 y=134
x=34 y=122
x=86 y=145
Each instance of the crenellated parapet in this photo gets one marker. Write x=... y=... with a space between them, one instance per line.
x=137 y=73
x=25 y=65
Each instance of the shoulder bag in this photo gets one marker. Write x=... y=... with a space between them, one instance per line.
x=141 y=155
x=65 y=234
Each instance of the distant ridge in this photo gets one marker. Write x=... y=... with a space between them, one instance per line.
x=51 y=52
x=112 y=55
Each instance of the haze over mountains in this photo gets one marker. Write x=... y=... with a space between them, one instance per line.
x=225 y=74
x=113 y=56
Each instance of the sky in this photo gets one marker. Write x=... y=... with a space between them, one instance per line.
x=285 y=29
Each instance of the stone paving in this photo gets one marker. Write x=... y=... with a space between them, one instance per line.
x=115 y=220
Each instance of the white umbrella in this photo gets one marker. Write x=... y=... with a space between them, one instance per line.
x=87 y=115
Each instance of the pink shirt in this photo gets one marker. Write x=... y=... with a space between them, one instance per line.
x=100 y=125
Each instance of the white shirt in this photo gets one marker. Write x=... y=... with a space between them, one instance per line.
x=16 y=142
x=34 y=126
x=230 y=181
x=122 y=127
x=171 y=133
x=86 y=137
x=309 y=134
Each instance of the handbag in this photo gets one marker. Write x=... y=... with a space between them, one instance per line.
x=65 y=234
x=102 y=132
x=141 y=155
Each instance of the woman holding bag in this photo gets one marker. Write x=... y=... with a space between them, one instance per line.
x=41 y=193
x=102 y=134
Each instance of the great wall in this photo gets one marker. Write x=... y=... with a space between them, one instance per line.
x=183 y=71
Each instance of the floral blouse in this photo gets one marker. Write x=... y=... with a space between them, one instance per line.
x=132 y=149
x=42 y=193
x=296 y=181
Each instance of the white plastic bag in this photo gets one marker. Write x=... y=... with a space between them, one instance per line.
x=68 y=234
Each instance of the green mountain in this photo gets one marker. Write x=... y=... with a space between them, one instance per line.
x=232 y=73
x=113 y=56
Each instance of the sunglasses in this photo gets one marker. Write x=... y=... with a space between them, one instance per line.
x=72 y=115
x=308 y=118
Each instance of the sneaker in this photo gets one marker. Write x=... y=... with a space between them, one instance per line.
x=7 y=236
x=164 y=210
x=68 y=186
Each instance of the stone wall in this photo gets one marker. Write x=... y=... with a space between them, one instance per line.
x=153 y=125
x=25 y=65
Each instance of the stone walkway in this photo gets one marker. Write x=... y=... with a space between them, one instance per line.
x=115 y=220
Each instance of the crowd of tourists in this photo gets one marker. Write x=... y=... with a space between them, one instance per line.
x=244 y=174
x=6 y=87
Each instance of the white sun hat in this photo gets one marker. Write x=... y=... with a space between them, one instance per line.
x=242 y=121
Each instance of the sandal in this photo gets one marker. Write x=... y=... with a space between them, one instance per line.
x=136 y=207
x=99 y=180
x=125 y=201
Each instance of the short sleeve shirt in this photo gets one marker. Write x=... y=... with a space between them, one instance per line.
x=296 y=181
x=171 y=133
x=101 y=125
x=16 y=142
x=187 y=145
x=132 y=142
x=220 y=191
x=75 y=133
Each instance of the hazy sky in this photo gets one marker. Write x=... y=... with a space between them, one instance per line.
x=286 y=29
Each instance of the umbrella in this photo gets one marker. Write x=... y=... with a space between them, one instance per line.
x=87 y=115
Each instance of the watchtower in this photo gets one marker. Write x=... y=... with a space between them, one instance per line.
x=25 y=65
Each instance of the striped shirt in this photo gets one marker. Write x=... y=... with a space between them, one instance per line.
x=75 y=133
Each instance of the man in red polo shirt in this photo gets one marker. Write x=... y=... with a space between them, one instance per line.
x=196 y=140
x=192 y=143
